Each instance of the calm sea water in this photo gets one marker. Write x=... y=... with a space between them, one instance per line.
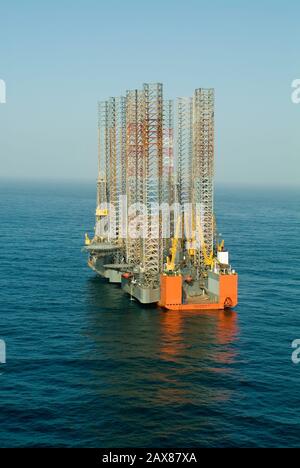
x=88 y=367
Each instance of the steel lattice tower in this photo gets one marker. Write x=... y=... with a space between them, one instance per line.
x=168 y=195
x=111 y=160
x=203 y=167
x=152 y=259
x=134 y=175
x=117 y=173
x=185 y=148
x=103 y=161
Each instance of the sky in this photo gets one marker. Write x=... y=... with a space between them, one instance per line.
x=59 y=57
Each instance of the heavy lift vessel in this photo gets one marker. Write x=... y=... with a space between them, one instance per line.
x=155 y=231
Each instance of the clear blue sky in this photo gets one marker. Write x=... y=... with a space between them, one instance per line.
x=59 y=57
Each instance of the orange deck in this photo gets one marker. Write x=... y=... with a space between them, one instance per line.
x=171 y=294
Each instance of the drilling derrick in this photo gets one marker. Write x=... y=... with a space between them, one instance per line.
x=134 y=169
x=185 y=170
x=103 y=159
x=168 y=181
x=185 y=149
x=168 y=152
x=152 y=259
x=112 y=173
x=117 y=168
x=202 y=168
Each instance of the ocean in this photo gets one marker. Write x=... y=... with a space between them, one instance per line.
x=88 y=367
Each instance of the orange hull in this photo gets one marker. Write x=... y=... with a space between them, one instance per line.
x=171 y=294
x=191 y=307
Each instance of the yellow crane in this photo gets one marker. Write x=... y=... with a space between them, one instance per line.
x=208 y=258
x=173 y=250
x=87 y=240
x=221 y=246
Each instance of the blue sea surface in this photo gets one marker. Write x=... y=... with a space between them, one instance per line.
x=87 y=367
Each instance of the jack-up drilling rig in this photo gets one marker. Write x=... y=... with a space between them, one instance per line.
x=155 y=231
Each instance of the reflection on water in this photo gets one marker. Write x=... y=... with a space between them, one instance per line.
x=182 y=330
x=227 y=328
x=157 y=357
x=172 y=342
